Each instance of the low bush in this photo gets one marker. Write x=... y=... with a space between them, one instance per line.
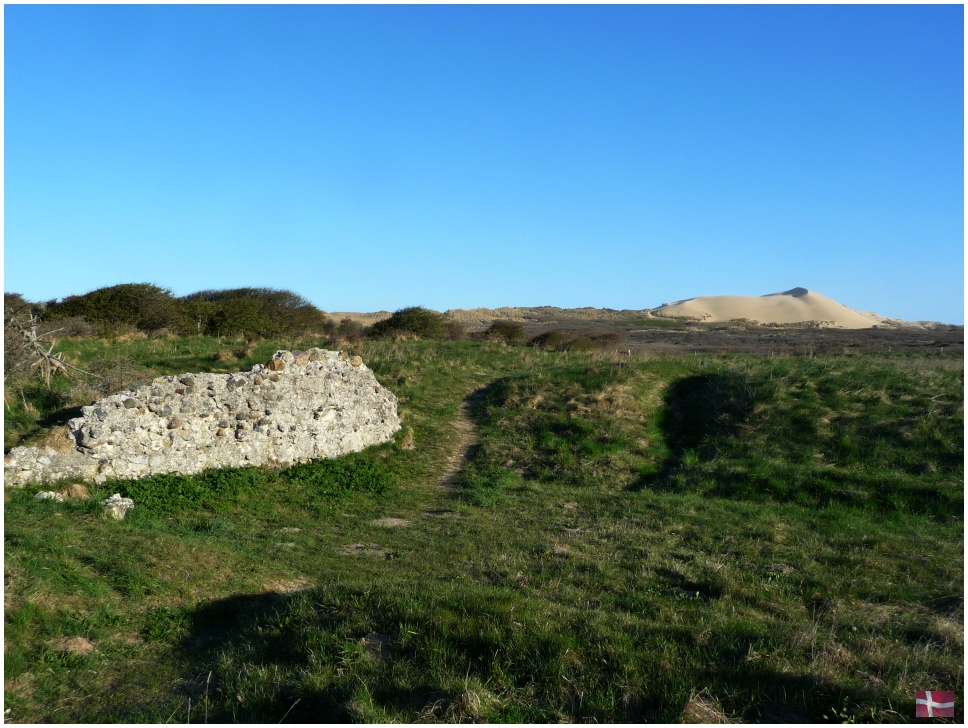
x=117 y=309
x=510 y=332
x=254 y=313
x=456 y=331
x=575 y=341
x=416 y=320
x=551 y=340
x=591 y=342
x=350 y=330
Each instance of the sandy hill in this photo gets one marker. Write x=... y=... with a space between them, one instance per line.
x=795 y=306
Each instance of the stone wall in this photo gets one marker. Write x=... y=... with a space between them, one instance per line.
x=299 y=406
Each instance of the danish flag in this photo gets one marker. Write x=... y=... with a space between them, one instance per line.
x=934 y=704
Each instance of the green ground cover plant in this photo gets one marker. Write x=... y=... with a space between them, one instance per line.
x=776 y=539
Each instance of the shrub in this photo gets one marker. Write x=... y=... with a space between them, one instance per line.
x=511 y=332
x=144 y=306
x=579 y=344
x=576 y=341
x=590 y=342
x=415 y=320
x=254 y=313
x=350 y=330
x=552 y=340
x=456 y=330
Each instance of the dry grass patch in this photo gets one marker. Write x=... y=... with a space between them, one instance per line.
x=391 y=522
x=702 y=707
x=75 y=645
x=287 y=586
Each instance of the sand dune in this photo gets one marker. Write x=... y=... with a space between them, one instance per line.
x=795 y=306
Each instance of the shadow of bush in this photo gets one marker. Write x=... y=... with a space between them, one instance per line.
x=452 y=657
x=719 y=447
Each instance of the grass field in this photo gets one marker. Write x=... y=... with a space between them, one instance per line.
x=628 y=539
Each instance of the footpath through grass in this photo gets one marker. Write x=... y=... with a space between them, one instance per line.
x=763 y=539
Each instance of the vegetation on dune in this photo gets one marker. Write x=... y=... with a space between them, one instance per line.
x=761 y=539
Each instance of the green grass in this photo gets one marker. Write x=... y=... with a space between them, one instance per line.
x=784 y=533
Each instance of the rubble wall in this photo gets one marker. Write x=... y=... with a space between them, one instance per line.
x=299 y=406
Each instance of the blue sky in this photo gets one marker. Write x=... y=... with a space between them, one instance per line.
x=373 y=158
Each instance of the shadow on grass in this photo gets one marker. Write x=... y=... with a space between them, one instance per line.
x=253 y=630
x=344 y=654
x=705 y=424
x=699 y=413
x=762 y=694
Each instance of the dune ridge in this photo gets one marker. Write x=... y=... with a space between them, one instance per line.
x=796 y=306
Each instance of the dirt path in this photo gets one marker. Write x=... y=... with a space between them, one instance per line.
x=466 y=443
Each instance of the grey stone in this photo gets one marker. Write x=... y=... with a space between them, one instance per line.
x=363 y=413
x=117 y=506
x=49 y=495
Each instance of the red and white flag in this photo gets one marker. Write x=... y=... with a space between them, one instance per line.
x=934 y=704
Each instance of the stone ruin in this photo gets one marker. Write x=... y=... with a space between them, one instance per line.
x=299 y=406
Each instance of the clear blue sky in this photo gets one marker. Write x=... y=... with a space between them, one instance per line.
x=378 y=157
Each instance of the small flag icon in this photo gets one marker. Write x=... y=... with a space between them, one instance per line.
x=934 y=704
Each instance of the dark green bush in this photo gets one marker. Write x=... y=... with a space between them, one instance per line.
x=350 y=330
x=340 y=477
x=415 y=320
x=511 y=332
x=580 y=344
x=254 y=313
x=456 y=330
x=552 y=340
x=144 y=306
x=577 y=341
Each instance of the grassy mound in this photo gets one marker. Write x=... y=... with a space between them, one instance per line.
x=771 y=540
